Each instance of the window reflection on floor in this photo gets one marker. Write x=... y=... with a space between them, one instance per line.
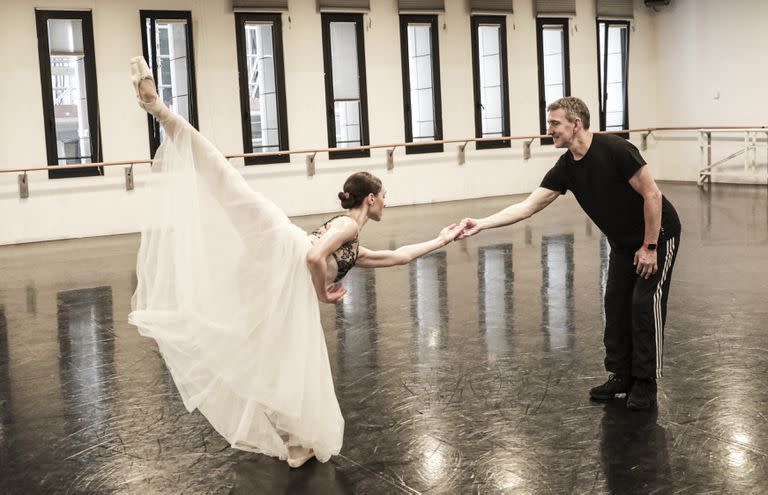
x=86 y=350
x=495 y=282
x=356 y=323
x=429 y=304
x=557 y=291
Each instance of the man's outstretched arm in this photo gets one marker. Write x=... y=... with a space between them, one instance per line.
x=539 y=199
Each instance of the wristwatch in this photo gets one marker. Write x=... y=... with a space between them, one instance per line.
x=650 y=246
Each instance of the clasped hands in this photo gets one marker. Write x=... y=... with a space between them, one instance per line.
x=455 y=232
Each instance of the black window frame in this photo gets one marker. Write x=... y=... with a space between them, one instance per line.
x=41 y=20
x=326 y=20
x=406 y=19
x=476 y=20
x=241 y=18
x=540 y=22
x=600 y=96
x=152 y=124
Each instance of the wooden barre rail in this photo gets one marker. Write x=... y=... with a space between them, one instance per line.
x=312 y=151
x=390 y=147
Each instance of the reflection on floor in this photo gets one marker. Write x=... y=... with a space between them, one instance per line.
x=465 y=371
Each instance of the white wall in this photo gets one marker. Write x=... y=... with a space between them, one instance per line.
x=661 y=82
x=711 y=67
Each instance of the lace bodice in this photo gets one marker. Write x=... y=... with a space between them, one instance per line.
x=346 y=255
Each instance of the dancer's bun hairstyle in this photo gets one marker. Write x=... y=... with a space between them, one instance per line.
x=357 y=187
x=347 y=201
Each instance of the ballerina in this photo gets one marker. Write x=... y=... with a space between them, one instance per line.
x=229 y=289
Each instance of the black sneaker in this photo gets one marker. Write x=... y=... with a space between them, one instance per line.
x=616 y=384
x=643 y=394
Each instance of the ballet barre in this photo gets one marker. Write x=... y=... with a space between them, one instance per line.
x=24 y=183
x=749 y=150
x=311 y=153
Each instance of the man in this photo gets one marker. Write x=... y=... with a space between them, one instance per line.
x=610 y=181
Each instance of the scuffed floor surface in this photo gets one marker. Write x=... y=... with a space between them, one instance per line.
x=464 y=372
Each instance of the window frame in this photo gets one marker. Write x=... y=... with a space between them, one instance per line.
x=501 y=21
x=241 y=18
x=326 y=18
x=185 y=15
x=625 y=78
x=540 y=22
x=405 y=20
x=44 y=56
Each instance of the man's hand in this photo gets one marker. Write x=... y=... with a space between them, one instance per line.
x=333 y=294
x=471 y=226
x=645 y=261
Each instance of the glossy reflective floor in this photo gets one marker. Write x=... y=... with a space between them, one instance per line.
x=464 y=372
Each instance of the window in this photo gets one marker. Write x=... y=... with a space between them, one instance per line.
x=489 y=65
x=68 y=80
x=167 y=40
x=613 y=55
x=262 y=86
x=345 y=87
x=554 y=65
x=421 y=82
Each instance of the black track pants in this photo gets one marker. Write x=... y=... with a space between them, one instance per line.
x=635 y=312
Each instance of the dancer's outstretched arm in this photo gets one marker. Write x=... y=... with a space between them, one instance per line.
x=539 y=199
x=368 y=258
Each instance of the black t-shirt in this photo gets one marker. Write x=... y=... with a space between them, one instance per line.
x=600 y=183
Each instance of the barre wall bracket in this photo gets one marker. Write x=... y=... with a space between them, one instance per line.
x=129 y=178
x=23 y=186
x=461 y=157
x=527 y=149
x=311 y=164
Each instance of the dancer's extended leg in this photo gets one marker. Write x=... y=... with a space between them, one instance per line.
x=240 y=202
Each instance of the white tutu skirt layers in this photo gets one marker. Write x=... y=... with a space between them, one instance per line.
x=224 y=289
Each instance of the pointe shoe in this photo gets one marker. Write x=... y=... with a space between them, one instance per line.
x=300 y=458
x=139 y=72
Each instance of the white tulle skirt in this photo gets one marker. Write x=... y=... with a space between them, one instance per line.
x=224 y=289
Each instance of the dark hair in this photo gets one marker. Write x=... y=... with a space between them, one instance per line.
x=357 y=187
x=574 y=108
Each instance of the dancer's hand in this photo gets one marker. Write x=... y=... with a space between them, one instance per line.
x=449 y=233
x=333 y=294
x=471 y=227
